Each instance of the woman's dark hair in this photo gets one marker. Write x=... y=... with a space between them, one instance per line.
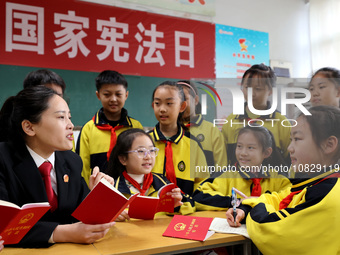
x=110 y=77
x=260 y=71
x=28 y=104
x=181 y=95
x=331 y=73
x=193 y=92
x=266 y=140
x=324 y=122
x=124 y=142
x=43 y=77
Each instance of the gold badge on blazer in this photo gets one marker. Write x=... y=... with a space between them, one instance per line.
x=66 y=178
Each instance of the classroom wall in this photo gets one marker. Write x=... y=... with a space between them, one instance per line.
x=286 y=21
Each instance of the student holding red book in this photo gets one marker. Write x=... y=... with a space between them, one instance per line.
x=130 y=164
x=37 y=165
x=302 y=219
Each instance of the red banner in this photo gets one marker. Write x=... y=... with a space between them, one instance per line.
x=89 y=37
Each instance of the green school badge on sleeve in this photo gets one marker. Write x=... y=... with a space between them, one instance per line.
x=181 y=166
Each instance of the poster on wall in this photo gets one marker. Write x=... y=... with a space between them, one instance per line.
x=82 y=36
x=237 y=49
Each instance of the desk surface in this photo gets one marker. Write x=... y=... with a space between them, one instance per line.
x=145 y=237
x=139 y=237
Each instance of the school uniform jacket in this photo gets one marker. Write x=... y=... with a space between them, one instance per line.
x=93 y=143
x=272 y=122
x=21 y=183
x=215 y=193
x=187 y=157
x=211 y=139
x=309 y=225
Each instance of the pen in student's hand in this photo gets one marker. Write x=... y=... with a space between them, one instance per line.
x=234 y=203
x=240 y=193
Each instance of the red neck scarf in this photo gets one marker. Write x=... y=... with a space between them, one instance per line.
x=113 y=135
x=288 y=199
x=256 y=191
x=169 y=164
x=148 y=179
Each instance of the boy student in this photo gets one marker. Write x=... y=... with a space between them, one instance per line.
x=47 y=78
x=99 y=135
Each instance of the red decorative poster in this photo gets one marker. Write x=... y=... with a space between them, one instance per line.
x=83 y=36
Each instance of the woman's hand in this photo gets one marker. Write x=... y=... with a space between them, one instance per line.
x=80 y=232
x=96 y=176
x=239 y=217
x=177 y=196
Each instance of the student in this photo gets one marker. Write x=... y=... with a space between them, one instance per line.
x=302 y=219
x=41 y=134
x=180 y=157
x=325 y=87
x=261 y=79
x=98 y=136
x=130 y=164
x=47 y=78
x=209 y=136
x=255 y=150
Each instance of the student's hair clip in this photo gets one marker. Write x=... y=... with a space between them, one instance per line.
x=188 y=85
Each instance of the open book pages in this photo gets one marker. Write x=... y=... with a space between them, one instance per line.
x=220 y=225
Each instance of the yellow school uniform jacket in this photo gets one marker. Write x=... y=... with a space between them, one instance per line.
x=211 y=140
x=309 y=225
x=188 y=158
x=272 y=122
x=158 y=182
x=93 y=143
x=215 y=193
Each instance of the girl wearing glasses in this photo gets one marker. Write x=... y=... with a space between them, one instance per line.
x=130 y=164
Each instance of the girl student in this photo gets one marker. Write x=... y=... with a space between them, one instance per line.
x=261 y=79
x=325 y=87
x=253 y=173
x=209 y=136
x=38 y=124
x=302 y=219
x=130 y=164
x=180 y=157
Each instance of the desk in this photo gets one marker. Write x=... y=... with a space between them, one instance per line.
x=57 y=249
x=140 y=237
x=145 y=237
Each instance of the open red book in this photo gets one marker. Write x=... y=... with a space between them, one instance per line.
x=102 y=205
x=145 y=208
x=189 y=227
x=16 y=221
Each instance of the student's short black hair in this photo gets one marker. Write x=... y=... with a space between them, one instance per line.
x=43 y=77
x=110 y=77
x=260 y=71
x=331 y=73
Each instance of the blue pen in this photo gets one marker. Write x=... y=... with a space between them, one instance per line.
x=234 y=203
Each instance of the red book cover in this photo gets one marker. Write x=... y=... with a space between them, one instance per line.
x=145 y=208
x=189 y=227
x=102 y=205
x=17 y=221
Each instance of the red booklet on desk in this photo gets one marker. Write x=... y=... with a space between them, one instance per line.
x=16 y=221
x=145 y=208
x=102 y=205
x=189 y=227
